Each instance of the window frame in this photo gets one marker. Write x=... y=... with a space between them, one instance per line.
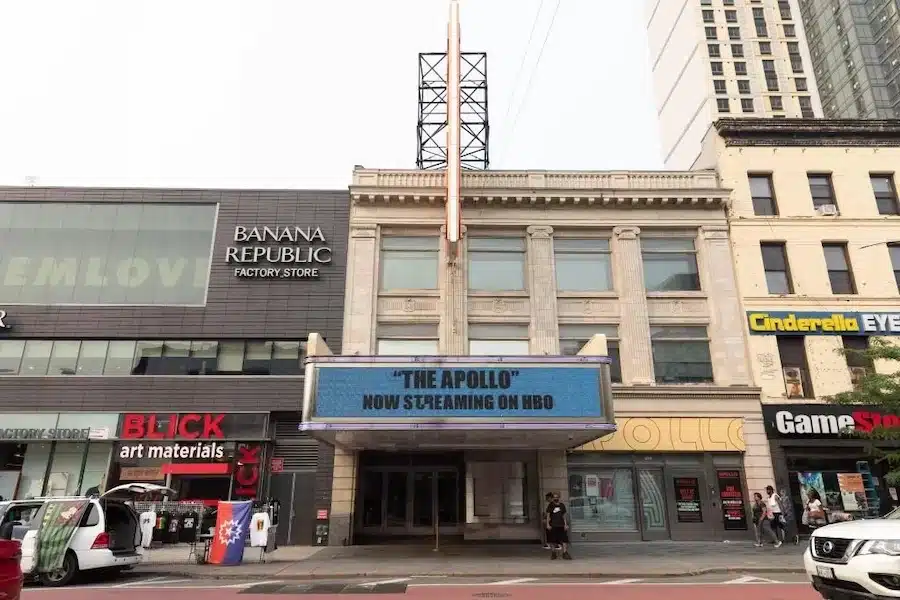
x=785 y=270
x=848 y=267
x=895 y=266
x=613 y=342
x=605 y=261
x=386 y=255
x=681 y=340
x=756 y=201
x=693 y=253
x=817 y=200
x=889 y=196
x=499 y=333
x=522 y=253
x=783 y=342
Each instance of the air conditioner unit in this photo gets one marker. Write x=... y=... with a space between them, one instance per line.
x=856 y=375
x=827 y=210
x=793 y=382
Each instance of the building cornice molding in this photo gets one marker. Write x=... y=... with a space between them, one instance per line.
x=881 y=133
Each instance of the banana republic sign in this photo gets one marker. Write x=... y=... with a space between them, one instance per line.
x=278 y=252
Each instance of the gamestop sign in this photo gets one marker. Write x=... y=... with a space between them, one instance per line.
x=806 y=421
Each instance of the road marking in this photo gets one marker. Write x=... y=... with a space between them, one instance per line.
x=155 y=580
x=513 y=581
x=374 y=583
x=620 y=581
x=250 y=584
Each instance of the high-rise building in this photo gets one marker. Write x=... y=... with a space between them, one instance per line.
x=855 y=49
x=720 y=58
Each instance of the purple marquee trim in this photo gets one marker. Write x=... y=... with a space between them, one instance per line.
x=483 y=361
x=318 y=426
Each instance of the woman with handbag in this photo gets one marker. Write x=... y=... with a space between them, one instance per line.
x=814 y=513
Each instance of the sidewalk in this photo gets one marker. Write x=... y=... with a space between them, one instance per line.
x=640 y=560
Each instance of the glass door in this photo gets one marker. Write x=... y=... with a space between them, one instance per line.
x=689 y=505
x=652 y=491
x=448 y=498
x=423 y=499
x=396 y=501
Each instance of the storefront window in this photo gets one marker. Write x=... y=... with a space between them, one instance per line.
x=10 y=356
x=36 y=357
x=120 y=358
x=92 y=357
x=602 y=500
x=34 y=468
x=63 y=358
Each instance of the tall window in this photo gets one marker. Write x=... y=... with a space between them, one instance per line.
x=775 y=264
x=496 y=264
x=670 y=265
x=858 y=363
x=894 y=249
x=409 y=263
x=794 y=369
x=572 y=339
x=885 y=194
x=771 y=75
x=763 y=195
x=821 y=190
x=839 y=272
x=495 y=339
x=806 y=109
x=582 y=265
x=414 y=339
x=681 y=355
x=759 y=20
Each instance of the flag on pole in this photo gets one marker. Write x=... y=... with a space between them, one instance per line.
x=232 y=529
x=57 y=525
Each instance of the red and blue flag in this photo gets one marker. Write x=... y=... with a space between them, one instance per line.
x=232 y=530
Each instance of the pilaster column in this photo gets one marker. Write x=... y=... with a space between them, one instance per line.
x=726 y=317
x=454 y=297
x=544 y=330
x=361 y=291
x=634 y=321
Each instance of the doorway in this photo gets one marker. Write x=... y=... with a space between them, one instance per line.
x=410 y=495
x=691 y=510
x=652 y=498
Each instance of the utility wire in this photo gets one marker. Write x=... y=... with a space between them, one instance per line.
x=512 y=129
x=515 y=86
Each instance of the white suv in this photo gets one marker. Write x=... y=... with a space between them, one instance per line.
x=108 y=537
x=856 y=559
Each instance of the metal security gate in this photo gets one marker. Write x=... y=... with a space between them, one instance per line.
x=294 y=485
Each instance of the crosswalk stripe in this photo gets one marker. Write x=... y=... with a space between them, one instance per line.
x=374 y=583
x=513 y=581
x=619 y=581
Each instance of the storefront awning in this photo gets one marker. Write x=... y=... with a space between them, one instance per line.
x=445 y=402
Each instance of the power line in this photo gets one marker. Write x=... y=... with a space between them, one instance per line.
x=534 y=69
x=515 y=86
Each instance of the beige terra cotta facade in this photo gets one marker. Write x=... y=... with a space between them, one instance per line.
x=788 y=150
x=622 y=207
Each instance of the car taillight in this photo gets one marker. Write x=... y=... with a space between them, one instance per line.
x=101 y=542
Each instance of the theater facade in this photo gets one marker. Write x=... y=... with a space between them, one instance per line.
x=585 y=337
x=159 y=335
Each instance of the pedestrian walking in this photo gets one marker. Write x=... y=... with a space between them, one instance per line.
x=814 y=513
x=548 y=497
x=557 y=524
x=762 y=527
x=776 y=515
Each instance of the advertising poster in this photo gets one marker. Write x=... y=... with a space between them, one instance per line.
x=591 y=486
x=811 y=481
x=58 y=524
x=853 y=491
x=687 y=500
x=731 y=495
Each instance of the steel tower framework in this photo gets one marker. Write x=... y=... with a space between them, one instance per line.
x=432 y=122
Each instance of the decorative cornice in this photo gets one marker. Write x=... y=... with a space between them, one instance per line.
x=614 y=189
x=626 y=233
x=810 y=132
x=539 y=231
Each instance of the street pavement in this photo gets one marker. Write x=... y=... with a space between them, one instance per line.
x=613 y=560
x=770 y=586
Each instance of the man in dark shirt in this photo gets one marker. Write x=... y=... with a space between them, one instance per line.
x=557 y=523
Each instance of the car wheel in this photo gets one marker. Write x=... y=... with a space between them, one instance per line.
x=63 y=576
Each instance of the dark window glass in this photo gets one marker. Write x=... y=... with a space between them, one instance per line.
x=763 y=195
x=572 y=339
x=131 y=254
x=894 y=249
x=737 y=51
x=821 y=190
x=839 y=273
x=854 y=346
x=775 y=264
x=885 y=194
x=792 y=352
x=681 y=355
x=670 y=265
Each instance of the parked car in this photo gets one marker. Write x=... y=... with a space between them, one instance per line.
x=108 y=536
x=11 y=577
x=856 y=559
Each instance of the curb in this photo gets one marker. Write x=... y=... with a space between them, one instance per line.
x=215 y=573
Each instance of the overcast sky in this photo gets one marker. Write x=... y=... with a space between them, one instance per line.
x=293 y=93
